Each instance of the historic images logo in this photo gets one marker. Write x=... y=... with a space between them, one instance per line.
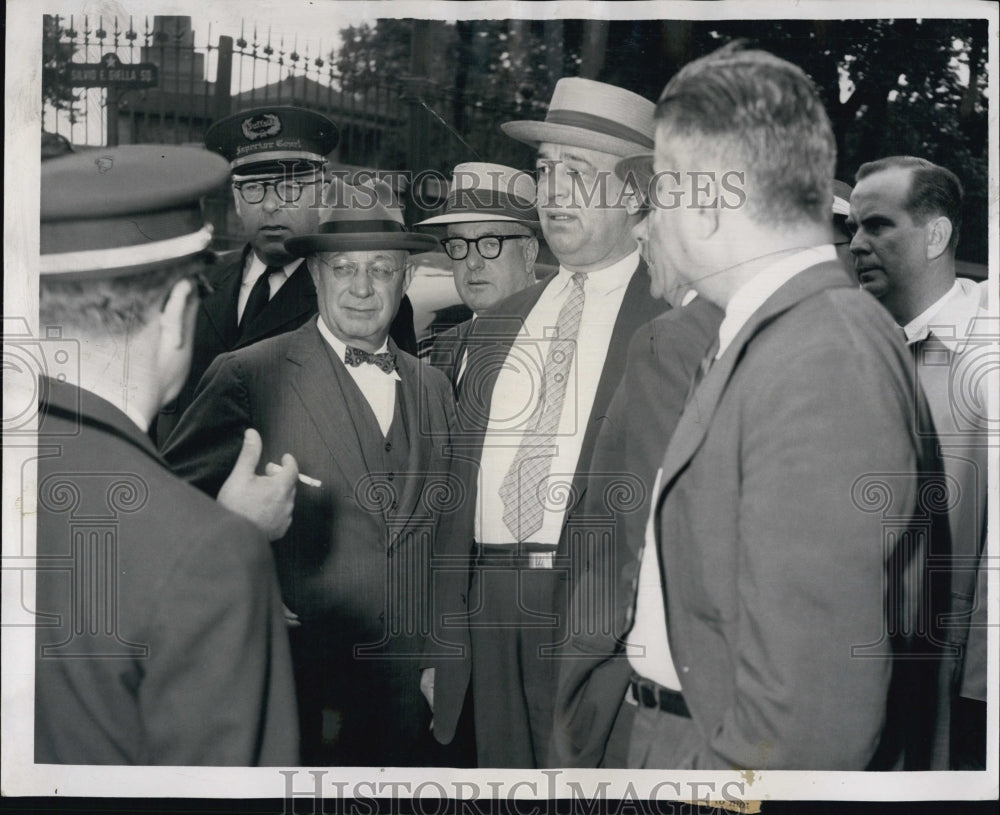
x=261 y=126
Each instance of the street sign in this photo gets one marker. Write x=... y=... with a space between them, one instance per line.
x=111 y=72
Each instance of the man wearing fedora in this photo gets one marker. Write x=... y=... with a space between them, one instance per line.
x=545 y=363
x=176 y=652
x=492 y=239
x=277 y=156
x=367 y=424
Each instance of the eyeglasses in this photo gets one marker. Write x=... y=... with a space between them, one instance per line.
x=288 y=191
x=488 y=246
x=382 y=272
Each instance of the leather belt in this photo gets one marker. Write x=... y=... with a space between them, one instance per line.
x=649 y=694
x=515 y=555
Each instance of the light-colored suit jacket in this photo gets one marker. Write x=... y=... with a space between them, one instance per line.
x=794 y=528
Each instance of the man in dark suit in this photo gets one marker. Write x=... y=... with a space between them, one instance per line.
x=593 y=714
x=491 y=237
x=277 y=156
x=775 y=601
x=176 y=653
x=905 y=216
x=542 y=367
x=367 y=424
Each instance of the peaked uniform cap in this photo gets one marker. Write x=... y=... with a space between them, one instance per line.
x=488 y=192
x=593 y=115
x=116 y=211
x=360 y=218
x=273 y=140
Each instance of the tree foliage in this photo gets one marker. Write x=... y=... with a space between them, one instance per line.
x=903 y=86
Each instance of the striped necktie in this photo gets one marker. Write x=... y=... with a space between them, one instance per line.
x=524 y=507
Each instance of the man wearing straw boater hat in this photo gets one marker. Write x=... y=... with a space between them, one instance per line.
x=367 y=424
x=492 y=239
x=541 y=370
x=176 y=652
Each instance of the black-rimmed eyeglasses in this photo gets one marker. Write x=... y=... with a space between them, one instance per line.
x=488 y=246
x=287 y=190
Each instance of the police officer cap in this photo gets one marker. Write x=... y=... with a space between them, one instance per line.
x=273 y=140
x=117 y=211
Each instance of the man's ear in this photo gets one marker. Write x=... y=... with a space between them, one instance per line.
x=177 y=318
x=938 y=231
x=530 y=250
x=408 y=275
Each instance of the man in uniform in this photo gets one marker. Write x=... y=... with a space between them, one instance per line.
x=277 y=156
x=177 y=652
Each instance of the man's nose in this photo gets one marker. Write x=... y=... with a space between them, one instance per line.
x=474 y=260
x=859 y=245
x=271 y=201
x=361 y=283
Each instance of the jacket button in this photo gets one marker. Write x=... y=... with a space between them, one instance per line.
x=394 y=505
x=390 y=477
x=463 y=598
x=388 y=446
x=381 y=616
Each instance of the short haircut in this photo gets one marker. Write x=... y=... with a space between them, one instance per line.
x=762 y=116
x=934 y=190
x=112 y=306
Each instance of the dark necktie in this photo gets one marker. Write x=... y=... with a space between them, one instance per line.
x=385 y=362
x=259 y=297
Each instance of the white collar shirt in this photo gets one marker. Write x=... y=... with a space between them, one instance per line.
x=378 y=388
x=517 y=388
x=751 y=295
x=253 y=269
x=951 y=317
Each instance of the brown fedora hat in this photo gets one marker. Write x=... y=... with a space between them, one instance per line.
x=361 y=218
x=593 y=115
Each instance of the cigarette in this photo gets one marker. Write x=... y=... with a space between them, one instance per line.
x=310 y=482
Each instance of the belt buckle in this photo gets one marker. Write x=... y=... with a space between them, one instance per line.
x=541 y=560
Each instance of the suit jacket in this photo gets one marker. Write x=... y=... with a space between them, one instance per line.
x=217 y=331
x=355 y=562
x=488 y=341
x=793 y=546
x=195 y=668
x=448 y=350
x=593 y=675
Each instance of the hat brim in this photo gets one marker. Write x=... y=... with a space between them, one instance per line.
x=640 y=165
x=535 y=133
x=304 y=245
x=475 y=218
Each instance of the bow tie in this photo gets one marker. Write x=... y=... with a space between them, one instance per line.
x=385 y=362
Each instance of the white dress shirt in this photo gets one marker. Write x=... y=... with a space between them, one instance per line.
x=751 y=295
x=950 y=318
x=648 y=646
x=254 y=268
x=517 y=389
x=378 y=388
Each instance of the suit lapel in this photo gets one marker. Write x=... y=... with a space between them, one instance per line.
x=488 y=342
x=220 y=306
x=420 y=442
x=697 y=415
x=294 y=299
x=320 y=389
x=637 y=307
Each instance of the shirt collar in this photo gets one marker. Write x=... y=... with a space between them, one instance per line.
x=751 y=295
x=606 y=280
x=256 y=268
x=340 y=347
x=950 y=316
